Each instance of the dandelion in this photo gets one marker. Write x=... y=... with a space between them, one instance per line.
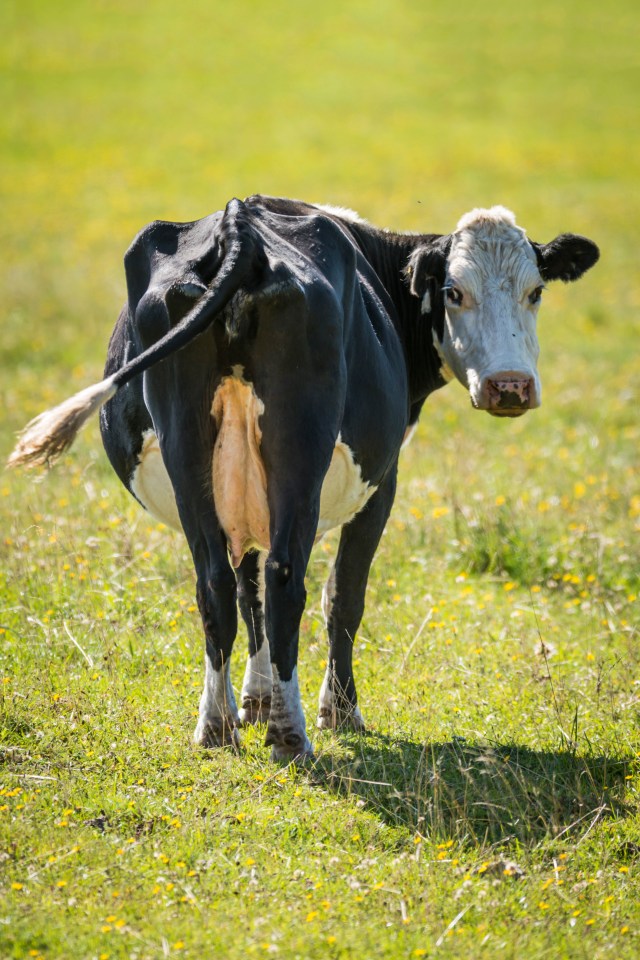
x=178 y=945
x=17 y=886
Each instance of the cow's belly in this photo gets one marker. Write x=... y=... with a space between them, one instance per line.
x=151 y=485
x=239 y=478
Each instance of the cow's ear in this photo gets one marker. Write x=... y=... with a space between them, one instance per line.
x=428 y=262
x=566 y=258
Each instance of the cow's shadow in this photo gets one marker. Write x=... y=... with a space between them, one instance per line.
x=481 y=793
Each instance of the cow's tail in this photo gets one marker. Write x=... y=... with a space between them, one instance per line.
x=51 y=433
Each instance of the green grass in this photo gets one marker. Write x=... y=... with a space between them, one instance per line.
x=493 y=806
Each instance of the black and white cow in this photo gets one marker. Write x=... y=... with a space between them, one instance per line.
x=260 y=381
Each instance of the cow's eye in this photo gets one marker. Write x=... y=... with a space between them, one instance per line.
x=535 y=296
x=454 y=296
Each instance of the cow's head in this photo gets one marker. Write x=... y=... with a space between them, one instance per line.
x=483 y=285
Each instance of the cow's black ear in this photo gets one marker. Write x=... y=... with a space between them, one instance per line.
x=428 y=262
x=566 y=258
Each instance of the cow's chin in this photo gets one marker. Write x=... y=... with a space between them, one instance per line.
x=500 y=412
x=508 y=413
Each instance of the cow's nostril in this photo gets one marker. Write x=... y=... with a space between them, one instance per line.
x=509 y=394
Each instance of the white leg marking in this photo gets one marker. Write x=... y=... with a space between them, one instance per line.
x=329 y=595
x=286 y=730
x=334 y=711
x=218 y=720
x=256 y=687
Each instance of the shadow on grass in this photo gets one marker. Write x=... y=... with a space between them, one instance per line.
x=486 y=794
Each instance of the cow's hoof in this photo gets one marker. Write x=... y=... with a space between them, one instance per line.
x=255 y=710
x=289 y=747
x=216 y=733
x=329 y=719
x=299 y=756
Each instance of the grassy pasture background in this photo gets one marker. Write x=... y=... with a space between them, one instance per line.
x=494 y=804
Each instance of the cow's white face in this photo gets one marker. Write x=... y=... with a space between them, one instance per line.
x=491 y=279
x=492 y=292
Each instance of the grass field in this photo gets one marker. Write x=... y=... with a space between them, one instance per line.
x=493 y=808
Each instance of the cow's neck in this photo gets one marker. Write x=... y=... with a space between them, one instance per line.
x=388 y=254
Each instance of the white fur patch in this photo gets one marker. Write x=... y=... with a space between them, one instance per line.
x=480 y=215
x=151 y=484
x=218 y=713
x=257 y=675
x=328 y=595
x=287 y=715
x=332 y=713
x=344 y=213
x=344 y=492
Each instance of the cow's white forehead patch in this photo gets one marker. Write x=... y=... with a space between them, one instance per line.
x=488 y=246
x=480 y=215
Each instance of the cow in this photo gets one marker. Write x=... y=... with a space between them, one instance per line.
x=268 y=365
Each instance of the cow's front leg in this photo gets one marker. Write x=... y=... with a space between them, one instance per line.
x=256 y=687
x=343 y=606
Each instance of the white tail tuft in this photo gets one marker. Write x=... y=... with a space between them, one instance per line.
x=51 y=433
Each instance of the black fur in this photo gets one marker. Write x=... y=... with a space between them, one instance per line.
x=566 y=258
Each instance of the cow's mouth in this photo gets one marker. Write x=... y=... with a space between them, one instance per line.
x=515 y=412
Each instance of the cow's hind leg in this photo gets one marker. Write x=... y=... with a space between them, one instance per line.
x=186 y=434
x=343 y=606
x=218 y=718
x=256 y=687
x=285 y=571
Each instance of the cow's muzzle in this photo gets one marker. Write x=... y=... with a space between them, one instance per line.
x=508 y=395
